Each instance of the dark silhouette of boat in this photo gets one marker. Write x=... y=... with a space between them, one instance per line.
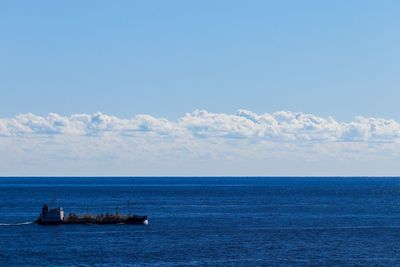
x=55 y=216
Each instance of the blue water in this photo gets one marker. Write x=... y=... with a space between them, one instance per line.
x=206 y=221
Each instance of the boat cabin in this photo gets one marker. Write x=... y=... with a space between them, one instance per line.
x=51 y=216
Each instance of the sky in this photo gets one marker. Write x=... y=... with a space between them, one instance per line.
x=199 y=88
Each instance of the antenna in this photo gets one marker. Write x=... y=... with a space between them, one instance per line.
x=53 y=200
x=117 y=210
x=129 y=206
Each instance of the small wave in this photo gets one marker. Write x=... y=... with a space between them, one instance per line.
x=15 y=224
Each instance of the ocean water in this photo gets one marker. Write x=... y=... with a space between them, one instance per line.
x=227 y=221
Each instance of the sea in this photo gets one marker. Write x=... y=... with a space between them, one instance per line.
x=205 y=221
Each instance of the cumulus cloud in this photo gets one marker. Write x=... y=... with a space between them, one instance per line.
x=282 y=126
x=200 y=135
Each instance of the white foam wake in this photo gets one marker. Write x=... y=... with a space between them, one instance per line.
x=15 y=224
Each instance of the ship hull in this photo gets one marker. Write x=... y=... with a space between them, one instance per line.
x=137 y=220
x=49 y=223
x=55 y=216
x=100 y=221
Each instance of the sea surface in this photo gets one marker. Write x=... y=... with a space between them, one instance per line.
x=208 y=221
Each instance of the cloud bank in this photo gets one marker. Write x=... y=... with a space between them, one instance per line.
x=145 y=145
x=282 y=126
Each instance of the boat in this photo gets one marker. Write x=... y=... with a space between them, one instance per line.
x=55 y=216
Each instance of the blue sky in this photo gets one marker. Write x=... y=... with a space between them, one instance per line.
x=245 y=87
x=166 y=58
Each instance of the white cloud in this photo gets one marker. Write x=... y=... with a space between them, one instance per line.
x=144 y=144
x=280 y=126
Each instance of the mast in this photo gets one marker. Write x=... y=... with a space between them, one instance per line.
x=129 y=207
x=53 y=200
